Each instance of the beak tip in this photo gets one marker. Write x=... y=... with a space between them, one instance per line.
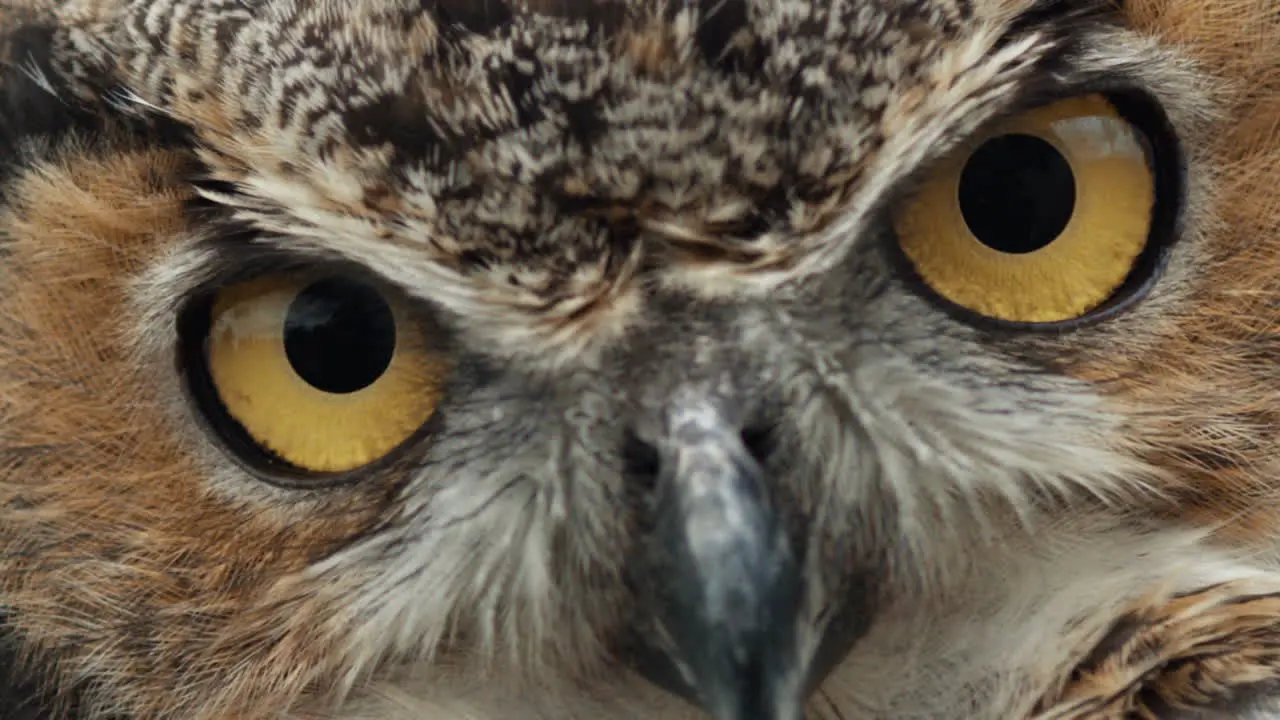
x=745 y=707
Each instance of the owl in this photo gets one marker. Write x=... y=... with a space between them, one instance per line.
x=640 y=359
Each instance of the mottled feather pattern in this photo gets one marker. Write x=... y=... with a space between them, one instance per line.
x=1214 y=648
x=603 y=199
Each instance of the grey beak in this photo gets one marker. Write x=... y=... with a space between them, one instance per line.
x=722 y=575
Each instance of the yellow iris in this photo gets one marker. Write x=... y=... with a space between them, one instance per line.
x=1041 y=219
x=328 y=374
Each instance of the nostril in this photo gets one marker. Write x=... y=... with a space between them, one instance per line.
x=759 y=440
x=640 y=459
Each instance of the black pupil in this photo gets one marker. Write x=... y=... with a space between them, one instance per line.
x=1017 y=193
x=339 y=335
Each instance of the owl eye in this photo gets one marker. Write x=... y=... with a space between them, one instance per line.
x=1043 y=219
x=326 y=374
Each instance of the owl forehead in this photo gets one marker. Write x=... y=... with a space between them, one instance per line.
x=552 y=138
x=534 y=153
x=630 y=102
x=454 y=83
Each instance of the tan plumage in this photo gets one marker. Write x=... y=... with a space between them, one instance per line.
x=596 y=205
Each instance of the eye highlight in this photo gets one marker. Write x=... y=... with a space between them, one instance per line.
x=326 y=374
x=1039 y=220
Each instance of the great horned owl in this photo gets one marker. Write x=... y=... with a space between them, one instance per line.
x=630 y=359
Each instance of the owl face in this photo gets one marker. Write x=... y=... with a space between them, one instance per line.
x=741 y=359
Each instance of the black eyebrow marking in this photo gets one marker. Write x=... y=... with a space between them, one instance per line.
x=1060 y=15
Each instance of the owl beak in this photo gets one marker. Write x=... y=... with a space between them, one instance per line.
x=722 y=580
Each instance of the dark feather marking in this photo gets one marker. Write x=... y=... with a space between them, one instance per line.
x=724 y=37
x=1063 y=14
x=21 y=695
x=28 y=110
x=477 y=16
x=399 y=121
x=1120 y=634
